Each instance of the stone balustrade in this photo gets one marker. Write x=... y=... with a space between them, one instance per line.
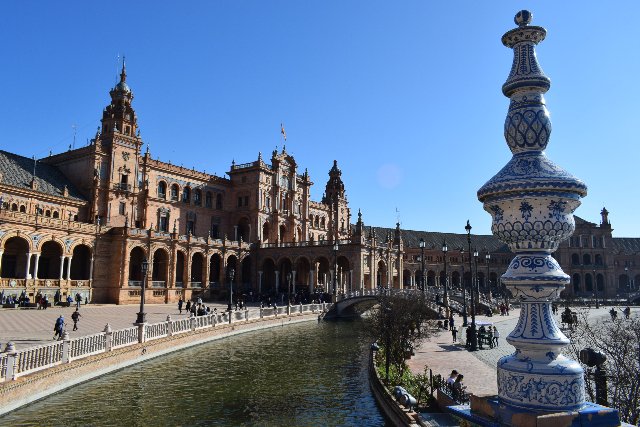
x=17 y=363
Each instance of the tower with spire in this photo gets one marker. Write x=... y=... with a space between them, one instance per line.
x=336 y=198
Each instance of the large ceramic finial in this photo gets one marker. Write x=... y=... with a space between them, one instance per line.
x=531 y=201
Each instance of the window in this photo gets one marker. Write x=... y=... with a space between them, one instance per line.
x=268 y=203
x=162 y=190
x=215 y=225
x=190 y=227
x=23 y=208
x=219 y=201
x=197 y=197
x=575 y=259
x=586 y=259
x=121 y=208
x=209 y=199
x=246 y=200
x=186 y=195
x=47 y=213
x=239 y=201
x=174 y=192
x=164 y=223
x=56 y=214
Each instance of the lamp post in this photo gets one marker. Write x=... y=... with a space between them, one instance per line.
x=472 y=334
x=231 y=273
x=487 y=259
x=335 y=271
x=422 y=281
x=476 y=283
x=142 y=316
x=445 y=297
x=289 y=287
x=464 y=293
x=595 y=288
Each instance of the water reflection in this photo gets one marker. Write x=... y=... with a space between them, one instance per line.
x=302 y=375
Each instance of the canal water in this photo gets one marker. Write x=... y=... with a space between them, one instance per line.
x=309 y=374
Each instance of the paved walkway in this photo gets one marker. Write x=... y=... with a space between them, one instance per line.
x=32 y=327
x=479 y=367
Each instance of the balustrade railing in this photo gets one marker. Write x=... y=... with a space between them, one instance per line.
x=14 y=364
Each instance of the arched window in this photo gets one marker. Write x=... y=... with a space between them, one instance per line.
x=14 y=207
x=174 y=192
x=162 y=190
x=575 y=259
x=322 y=223
x=598 y=259
x=219 y=201
x=209 y=199
x=586 y=259
x=186 y=195
x=576 y=283
x=23 y=208
x=197 y=197
x=47 y=213
x=56 y=214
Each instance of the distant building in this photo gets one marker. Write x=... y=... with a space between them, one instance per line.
x=84 y=221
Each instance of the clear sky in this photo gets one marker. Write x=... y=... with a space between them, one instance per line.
x=405 y=95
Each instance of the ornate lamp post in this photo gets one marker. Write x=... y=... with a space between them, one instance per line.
x=595 y=288
x=472 y=334
x=476 y=282
x=335 y=271
x=231 y=273
x=422 y=281
x=142 y=316
x=464 y=293
x=445 y=296
x=531 y=201
x=487 y=259
x=289 y=287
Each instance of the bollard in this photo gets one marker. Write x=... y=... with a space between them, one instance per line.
x=192 y=322
x=109 y=337
x=261 y=312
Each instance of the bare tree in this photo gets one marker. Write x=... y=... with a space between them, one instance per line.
x=398 y=325
x=619 y=340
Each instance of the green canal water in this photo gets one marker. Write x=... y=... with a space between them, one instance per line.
x=309 y=374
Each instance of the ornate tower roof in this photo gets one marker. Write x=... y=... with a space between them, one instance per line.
x=119 y=116
x=335 y=186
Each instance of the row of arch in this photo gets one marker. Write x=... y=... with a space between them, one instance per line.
x=194 y=270
x=303 y=274
x=413 y=279
x=586 y=259
x=49 y=213
x=49 y=262
x=187 y=195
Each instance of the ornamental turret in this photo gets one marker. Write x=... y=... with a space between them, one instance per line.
x=119 y=117
x=531 y=201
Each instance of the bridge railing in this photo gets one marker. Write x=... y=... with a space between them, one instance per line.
x=17 y=363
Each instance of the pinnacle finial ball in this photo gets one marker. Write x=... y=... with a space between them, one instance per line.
x=523 y=18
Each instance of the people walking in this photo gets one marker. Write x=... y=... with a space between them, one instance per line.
x=454 y=333
x=75 y=317
x=627 y=312
x=451 y=322
x=496 y=335
x=78 y=300
x=188 y=306
x=58 y=327
x=180 y=302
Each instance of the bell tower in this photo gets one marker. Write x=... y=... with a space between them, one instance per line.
x=119 y=117
x=336 y=198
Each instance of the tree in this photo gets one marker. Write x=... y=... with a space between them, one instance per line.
x=398 y=325
x=619 y=341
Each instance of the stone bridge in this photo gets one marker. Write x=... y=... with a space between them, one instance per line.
x=355 y=303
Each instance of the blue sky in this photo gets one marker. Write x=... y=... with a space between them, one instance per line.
x=405 y=95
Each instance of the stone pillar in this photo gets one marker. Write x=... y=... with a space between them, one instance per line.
x=277 y=281
x=311 y=287
x=10 y=351
x=259 y=282
x=293 y=282
x=1 y=253
x=235 y=233
x=35 y=267
x=528 y=195
x=26 y=273
x=109 y=337
x=91 y=270
x=69 y=267
x=350 y=280
x=61 y=267
x=66 y=347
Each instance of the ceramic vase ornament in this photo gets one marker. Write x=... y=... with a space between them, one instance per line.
x=531 y=201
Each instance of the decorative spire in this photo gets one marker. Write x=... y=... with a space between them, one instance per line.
x=531 y=201
x=123 y=73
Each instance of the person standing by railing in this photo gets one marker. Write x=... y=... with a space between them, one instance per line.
x=58 y=327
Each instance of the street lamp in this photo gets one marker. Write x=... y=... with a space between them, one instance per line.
x=464 y=292
x=231 y=273
x=289 y=287
x=487 y=259
x=595 y=284
x=476 y=283
x=472 y=334
x=142 y=316
x=423 y=283
x=335 y=270
x=445 y=298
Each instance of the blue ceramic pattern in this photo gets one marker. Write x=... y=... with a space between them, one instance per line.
x=531 y=201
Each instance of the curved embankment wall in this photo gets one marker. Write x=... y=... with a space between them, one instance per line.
x=27 y=389
x=392 y=409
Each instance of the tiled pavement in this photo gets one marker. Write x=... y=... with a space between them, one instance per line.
x=478 y=368
x=31 y=327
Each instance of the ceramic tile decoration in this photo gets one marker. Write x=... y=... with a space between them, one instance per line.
x=531 y=201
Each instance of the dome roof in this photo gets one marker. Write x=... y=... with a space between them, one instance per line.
x=122 y=87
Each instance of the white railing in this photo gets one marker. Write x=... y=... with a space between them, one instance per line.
x=35 y=359
x=156 y=330
x=88 y=345
x=14 y=364
x=125 y=337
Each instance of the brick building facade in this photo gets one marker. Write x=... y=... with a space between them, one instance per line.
x=83 y=221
